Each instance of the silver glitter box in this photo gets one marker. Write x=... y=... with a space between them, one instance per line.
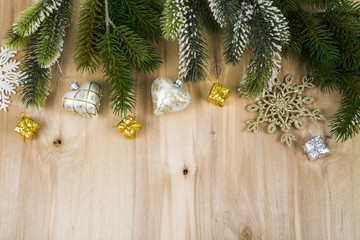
x=315 y=148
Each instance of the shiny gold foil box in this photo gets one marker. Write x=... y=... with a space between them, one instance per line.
x=27 y=127
x=218 y=94
x=129 y=127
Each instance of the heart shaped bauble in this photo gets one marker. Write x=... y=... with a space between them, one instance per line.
x=168 y=97
x=83 y=100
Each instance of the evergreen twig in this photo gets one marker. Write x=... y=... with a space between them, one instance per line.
x=115 y=33
x=328 y=41
x=40 y=29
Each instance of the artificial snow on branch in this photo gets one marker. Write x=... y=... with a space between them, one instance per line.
x=40 y=30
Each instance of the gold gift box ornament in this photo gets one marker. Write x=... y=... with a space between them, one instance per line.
x=27 y=127
x=218 y=93
x=129 y=127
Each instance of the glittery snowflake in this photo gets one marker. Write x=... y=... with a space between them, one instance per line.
x=282 y=105
x=9 y=78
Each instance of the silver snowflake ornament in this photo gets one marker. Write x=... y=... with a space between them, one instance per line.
x=281 y=106
x=9 y=78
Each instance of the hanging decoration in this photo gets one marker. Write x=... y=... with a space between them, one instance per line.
x=83 y=100
x=168 y=97
x=116 y=36
x=27 y=127
x=40 y=30
x=129 y=127
x=281 y=106
x=9 y=76
x=218 y=93
x=315 y=148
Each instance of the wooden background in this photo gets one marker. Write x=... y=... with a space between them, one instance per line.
x=98 y=185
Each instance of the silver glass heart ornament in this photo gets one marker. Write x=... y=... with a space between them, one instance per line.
x=83 y=100
x=168 y=97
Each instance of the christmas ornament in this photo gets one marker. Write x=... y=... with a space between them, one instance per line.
x=9 y=78
x=282 y=105
x=129 y=127
x=83 y=100
x=168 y=97
x=315 y=148
x=27 y=127
x=218 y=93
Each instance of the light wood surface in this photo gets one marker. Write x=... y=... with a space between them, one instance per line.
x=99 y=185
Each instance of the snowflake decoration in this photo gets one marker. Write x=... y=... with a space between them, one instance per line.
x=9 y=79
x=281 y=106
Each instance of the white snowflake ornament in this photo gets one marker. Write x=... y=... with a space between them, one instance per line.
x=9 y=78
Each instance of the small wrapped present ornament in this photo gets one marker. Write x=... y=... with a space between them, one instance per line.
x=27 y=127
x=129 y=127
x=218 y=93
x=315 y=148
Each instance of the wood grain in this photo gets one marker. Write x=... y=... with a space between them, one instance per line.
x=239 y=185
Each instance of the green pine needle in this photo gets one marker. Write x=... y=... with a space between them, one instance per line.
x=145 y=19
x=206 y=16
x=13 y=40
x=192 y=48
x=346 y=123
x=328 y=41
x=117 y=72
x=141 y=55
x=173 y=18
x=30 y=19
x=35 y=80
x=90 y=28
x=50 y=41
x=318 y=40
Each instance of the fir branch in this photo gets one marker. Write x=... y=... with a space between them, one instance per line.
x=207 y=18
x=115 y=33
x=295 y=47
x=157 y=5
x=192 y=48
x=90 y=29
x=326 y=76
x=266 y=43
x=174 y=18
x=330 y=46
x=141 y=55
x=14 y=41
x=236 y=37
x=318 y=40
x=287 y=5
x=118 y=75
x=322 y=4
x=144 y=18
x=35 y=80
x=30 y=19
x=224 y=11
x=346 y=123
x=51 y=32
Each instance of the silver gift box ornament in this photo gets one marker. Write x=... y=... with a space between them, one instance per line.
x=315 y=148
